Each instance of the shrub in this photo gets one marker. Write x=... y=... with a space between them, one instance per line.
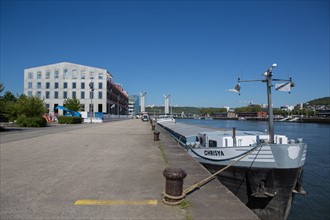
x=69 y=120
x=24 y=121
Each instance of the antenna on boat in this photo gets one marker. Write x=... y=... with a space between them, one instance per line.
x=268 y=74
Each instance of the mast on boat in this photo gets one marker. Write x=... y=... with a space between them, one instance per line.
x=281 y=87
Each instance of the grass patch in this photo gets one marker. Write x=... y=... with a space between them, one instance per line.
x=186 y=205
x=165 y=158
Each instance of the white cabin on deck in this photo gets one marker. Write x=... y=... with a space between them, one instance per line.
x=225 y=139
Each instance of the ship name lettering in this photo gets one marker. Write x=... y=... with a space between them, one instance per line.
x=213 y=153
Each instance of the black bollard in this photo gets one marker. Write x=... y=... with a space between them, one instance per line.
x=174 y=185
x=156 y=135
x=153 y=127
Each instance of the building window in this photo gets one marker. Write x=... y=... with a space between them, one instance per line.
x=56 y=74
x=38 y=75
x=91 y=75
x=47 y=74
x=56 y=85
x=29 y=93
x=47 y=95
x=82 y=107
x=82 y=85
x=100 y=75
x=65 y=85
x=74 y=95
x=30 y=85
x=39 y=94
x=55 y=95
x=74 y=74
x=65 y=95
x=82 y=74
x=100 y=85
x=82 y=95
x=65 y=73
x=47 y=85
x=74 y=85
x=100 y=95
x=38 y=85
x=47 y=106
x=30 y=75
x=91 y=95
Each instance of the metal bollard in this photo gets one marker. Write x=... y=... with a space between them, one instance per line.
x=153 y=127
x=174 y=186
x=156 y=135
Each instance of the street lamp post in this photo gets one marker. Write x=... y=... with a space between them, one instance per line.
x=91 y=86
x=118 y=98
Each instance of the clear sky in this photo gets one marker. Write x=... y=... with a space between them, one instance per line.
x=193 y=50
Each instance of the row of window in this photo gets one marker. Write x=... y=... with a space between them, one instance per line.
x=65 y=95
x=65 y=85
x=74 y=74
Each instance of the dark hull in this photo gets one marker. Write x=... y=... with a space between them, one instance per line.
x=267 y=192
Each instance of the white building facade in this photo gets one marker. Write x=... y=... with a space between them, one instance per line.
x=133 y=105
x=57 y=82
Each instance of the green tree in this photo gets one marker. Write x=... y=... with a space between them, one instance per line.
x=250 y=108
x=72 y=104
x=2 y=87
x=9 y=97
x=212 y=111
x=7 y=102
x=30 y=106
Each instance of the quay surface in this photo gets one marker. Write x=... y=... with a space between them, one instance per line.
x=103 y=171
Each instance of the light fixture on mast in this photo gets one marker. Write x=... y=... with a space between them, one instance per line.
x=268 y=74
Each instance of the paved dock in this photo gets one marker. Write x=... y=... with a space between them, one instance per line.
x=103 y=171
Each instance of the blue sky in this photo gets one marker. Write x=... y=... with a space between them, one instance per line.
x=193 y=50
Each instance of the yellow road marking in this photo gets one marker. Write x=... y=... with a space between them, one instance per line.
x=115 y=202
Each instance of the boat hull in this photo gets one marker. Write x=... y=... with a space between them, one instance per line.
x=267 y=192
x=264 y=178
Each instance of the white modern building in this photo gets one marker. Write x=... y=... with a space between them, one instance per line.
x=143 y=101
x=57 y=82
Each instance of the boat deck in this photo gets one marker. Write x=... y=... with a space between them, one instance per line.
x=185 y=133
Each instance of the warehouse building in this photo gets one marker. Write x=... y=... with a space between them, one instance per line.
x=94 y=87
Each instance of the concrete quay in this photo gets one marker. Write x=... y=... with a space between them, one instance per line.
x=103 y=171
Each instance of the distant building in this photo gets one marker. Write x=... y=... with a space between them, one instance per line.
x=133 y=105
x=323 y=114
x=287 y=107
x=228 y=114
x=57 y=82
x=258 y=115
x=143 y=101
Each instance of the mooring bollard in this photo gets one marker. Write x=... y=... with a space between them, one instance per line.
x=156 y=135
x=153 y=127
x=174 y=186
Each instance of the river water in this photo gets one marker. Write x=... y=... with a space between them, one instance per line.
x=316 y=204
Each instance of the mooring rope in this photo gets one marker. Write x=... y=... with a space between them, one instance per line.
x=204 y=181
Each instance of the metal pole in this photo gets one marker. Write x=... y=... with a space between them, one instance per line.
x=91 y=86
x=270 y=108
x=118 y=106
x=91 y=116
